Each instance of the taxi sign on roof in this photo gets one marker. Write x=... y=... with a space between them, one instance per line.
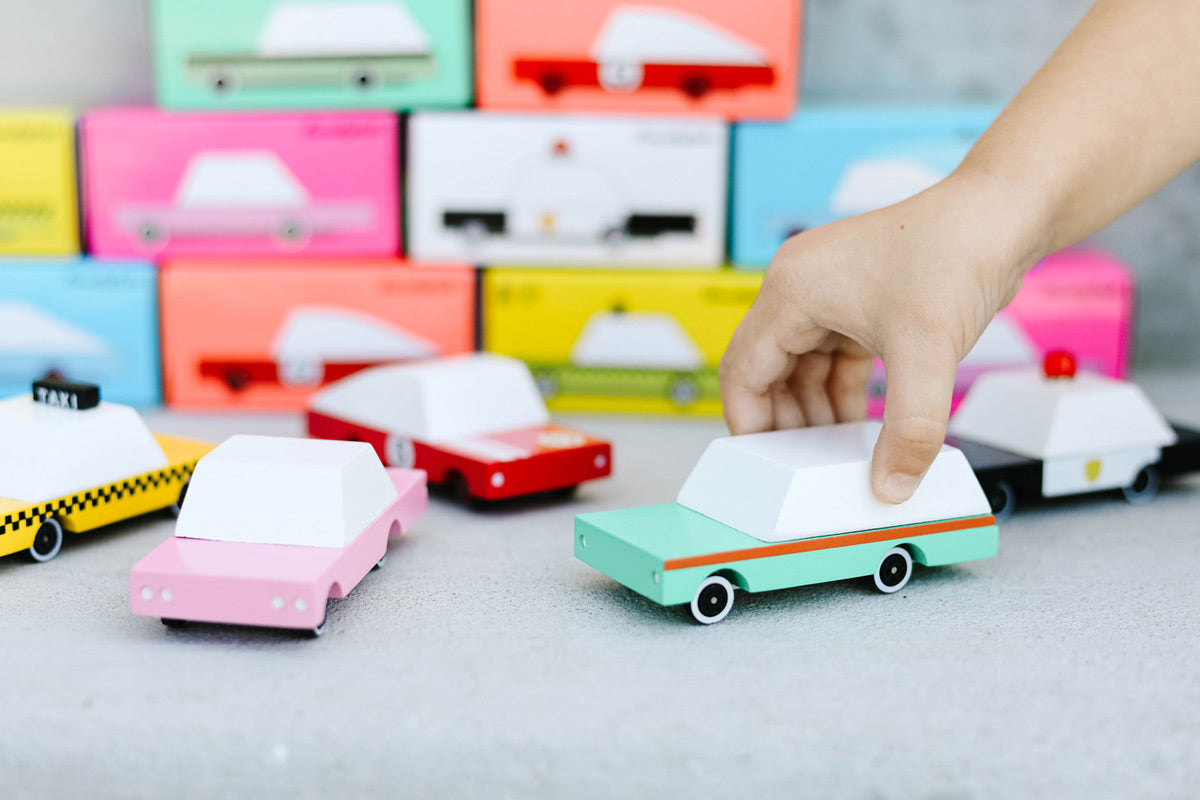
x=62 y=393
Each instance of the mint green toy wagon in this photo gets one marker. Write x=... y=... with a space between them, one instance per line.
x=783 y=509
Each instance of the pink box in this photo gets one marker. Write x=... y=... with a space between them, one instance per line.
x=1078 y=300
x=245 y=334
x=168 y=184
x=738 y=60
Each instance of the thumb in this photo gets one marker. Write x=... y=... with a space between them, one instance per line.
x=916 y=410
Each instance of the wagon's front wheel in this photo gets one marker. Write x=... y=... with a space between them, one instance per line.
x=48 y=541
x=713 y=600
x=894 y=570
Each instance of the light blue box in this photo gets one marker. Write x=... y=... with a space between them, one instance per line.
x=88 y=320
x=825 y=164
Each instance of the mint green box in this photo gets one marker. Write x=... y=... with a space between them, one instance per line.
x=312 y=54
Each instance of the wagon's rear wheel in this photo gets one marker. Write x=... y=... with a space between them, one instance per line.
x=48 y=540
x=713 y=600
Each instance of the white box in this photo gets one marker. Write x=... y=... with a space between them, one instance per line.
x=540 y=189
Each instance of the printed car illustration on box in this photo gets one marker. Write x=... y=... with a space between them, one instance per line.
x=71 y=463
x=35 y=342
x=632 y=353
x=655 y=48
x=787 y=508
x=1050 y=432
x=273 y=528
x=474 y=422
x=316 y=345
x=368 y=44
x=560 y=199
x=553 y=189
x=242 y=193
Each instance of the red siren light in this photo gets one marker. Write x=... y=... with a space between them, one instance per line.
x=1059 y=364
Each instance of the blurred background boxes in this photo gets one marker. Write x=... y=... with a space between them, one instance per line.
x=826 y=164
x=37 y=184
x=265 y=335
x=274 y=54
x=739 y=60
x=1079 y=300
x=544 y=189
x=618 y=340
x=94 y=321
x=167 y=184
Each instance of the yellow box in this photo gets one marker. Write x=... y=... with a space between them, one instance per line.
x=618 y=340
x=37 y=184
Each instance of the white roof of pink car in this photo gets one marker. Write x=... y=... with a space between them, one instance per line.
x=54 y=452
x=275 y=490
x=797 y=484
x=443 y=400
x=1027 y=413
x=653 y=35
x=226 y=179
x=342 y=29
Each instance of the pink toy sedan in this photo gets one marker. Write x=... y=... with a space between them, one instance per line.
x=274 y=527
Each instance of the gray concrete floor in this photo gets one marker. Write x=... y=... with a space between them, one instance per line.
x=484 y=661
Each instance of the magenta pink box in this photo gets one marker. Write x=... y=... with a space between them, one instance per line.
x=158 y=184
x=1078 y=300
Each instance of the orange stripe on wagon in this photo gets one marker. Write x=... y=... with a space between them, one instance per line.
x=828 y=542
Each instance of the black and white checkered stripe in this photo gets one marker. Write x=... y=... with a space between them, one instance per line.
x=92 y=498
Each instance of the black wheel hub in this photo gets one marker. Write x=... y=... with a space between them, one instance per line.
x=892 y=570
x=712 y=600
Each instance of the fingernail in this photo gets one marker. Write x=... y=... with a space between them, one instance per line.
x=898 y=487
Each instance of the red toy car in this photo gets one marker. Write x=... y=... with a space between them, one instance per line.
x=474 y=422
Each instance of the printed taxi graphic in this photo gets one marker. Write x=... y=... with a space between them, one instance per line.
x=71 y=463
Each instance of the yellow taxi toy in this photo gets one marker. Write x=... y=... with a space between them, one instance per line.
x=69 y=462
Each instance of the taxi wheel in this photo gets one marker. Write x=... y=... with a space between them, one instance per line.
x=318 y=631
x=713 y=600
x=177 y=506
x=1144 y=486
x=894 y=570
x=48 y=540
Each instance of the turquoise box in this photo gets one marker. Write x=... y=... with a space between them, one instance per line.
x=312 y=54
x=825 y=164
x=87 y=320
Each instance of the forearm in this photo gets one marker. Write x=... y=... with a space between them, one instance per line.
x=1112 y=116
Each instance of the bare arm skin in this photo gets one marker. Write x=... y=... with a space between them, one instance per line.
x=1112 y=116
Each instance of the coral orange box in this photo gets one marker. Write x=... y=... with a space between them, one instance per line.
x=265 y=335
x=738 y=60
x=283 y=184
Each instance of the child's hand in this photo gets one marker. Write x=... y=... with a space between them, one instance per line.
x=914 y=284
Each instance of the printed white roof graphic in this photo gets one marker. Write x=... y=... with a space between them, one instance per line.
x=52 y=452
x=874 y=183
x=797 y=484
x=332 y=29
x=340 y=334
x=1003 y=343
x=1038 y=417
x=652 y=35
x=276 y=490
x=436 y=401
x=28 y=330
x=636 y=339
x=239 y=179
